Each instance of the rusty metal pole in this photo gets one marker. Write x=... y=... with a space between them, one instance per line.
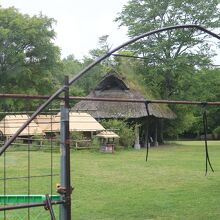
x=65 y=189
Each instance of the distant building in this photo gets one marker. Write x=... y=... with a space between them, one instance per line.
x=113 y=86
x=10 y=124
x=78 y=121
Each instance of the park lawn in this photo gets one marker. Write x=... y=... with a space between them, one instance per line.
x=171 y=185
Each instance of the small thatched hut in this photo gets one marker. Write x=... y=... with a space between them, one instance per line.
x=107 y=139
x=113 y=86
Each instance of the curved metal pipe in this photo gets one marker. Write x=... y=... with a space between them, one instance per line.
x=90 y=66
x=81 y=73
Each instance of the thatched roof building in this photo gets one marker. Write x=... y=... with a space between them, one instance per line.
x=112 y=86
x=43 y=121
x=78 y=121
x=11 y=123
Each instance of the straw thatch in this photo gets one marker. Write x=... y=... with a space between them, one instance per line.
x=44 y=121
x=11 y=123
x=107 y=134
x=77 y=122
x=112 y=86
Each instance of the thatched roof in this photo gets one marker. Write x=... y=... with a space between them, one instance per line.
x=43 y=121
x=11 y=123
x=112 y=86
x=77 y=122
x=107 y=134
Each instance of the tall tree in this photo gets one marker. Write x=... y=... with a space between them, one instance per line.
x=70 y=67
x=172 y=54
x=89 y=81
x=28 y=55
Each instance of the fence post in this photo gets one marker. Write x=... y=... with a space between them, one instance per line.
x=65 y=188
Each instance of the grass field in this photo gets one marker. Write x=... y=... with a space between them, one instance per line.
x=171 y=185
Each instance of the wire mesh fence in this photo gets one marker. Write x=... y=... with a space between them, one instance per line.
x=30 y=167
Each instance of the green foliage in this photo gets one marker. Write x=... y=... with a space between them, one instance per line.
x=87 y=83
x=70 y=66
x=90 y=80
x=206 y=87
x=174 y=59
x=95 y=143
x=171 y=56
x=130 y=70
x=216 y=130
x=140 y=16
x=76 y=135
x=123 y=129
x=80 y=139
x=184 y=121
x=28 y=56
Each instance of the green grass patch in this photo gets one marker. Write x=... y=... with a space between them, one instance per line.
x=171 y=185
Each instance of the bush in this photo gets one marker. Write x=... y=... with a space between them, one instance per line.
x=216 y=132
x=95 y=142
x=123 y=129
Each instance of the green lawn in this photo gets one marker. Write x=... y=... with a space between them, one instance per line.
x=171 y=185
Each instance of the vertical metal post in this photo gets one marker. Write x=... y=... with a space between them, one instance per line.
x=66 y=189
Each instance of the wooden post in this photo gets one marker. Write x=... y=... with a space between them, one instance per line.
x=137 y=145
x=155 y=133
x=160 y=131
x=146 y=132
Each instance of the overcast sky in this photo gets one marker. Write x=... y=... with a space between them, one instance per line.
x=80 y=23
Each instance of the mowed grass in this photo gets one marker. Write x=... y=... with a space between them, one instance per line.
x=171 y=185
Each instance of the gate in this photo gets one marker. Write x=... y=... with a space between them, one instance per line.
x=41 y=182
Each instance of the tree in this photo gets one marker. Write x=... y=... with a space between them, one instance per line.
x=174 y=57
x=173 y=54
x=28 y=56
x=89 y=81
x=103 y=48
x=206 y=88
x=70 y=67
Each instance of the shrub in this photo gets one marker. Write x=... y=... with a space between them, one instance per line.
x=80 y=139
x=216 y=132
x=123 y=129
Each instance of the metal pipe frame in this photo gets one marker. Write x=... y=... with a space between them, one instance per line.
x=65 y=178
x=64 y=88
x=29 y=205
x=78 y=98
x=97 y=61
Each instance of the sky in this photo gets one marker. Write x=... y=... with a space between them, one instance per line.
x=80 y=23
